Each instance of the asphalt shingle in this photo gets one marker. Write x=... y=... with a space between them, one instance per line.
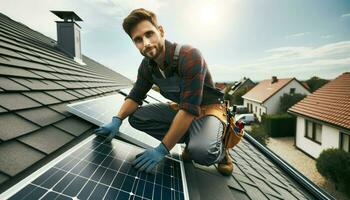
x=13 y=126
x=254 y=192
x=72 y=92
x=46 y=116
x=15 y=101
x=8 y=52
x=24 y=64
x=15 y=157
x=2 y=110
x=62 y=95
x=41 y=97
x=69 y=85
x=61 y=108
x=239 y=195
x=10 y=85
x=3 y=178
x=47 y=139
x=81 y=91
x=74 y=125
x=13 y=71
x=35 y=84
x=46 y=75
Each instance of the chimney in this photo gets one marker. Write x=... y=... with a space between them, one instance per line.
x=274 y=79
x=68 y=34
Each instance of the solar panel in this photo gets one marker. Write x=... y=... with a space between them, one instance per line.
x=97 y=170
x=101 y=110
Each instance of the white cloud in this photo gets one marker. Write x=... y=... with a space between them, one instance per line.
x=295 y=35
x=345 y=15
x=304 y=61
x=295 y=53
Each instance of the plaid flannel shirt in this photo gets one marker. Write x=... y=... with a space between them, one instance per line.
x=196 y=88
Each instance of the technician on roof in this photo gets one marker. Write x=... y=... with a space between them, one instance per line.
x=183 y=77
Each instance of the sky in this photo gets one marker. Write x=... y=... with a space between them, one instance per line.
x=252 y=38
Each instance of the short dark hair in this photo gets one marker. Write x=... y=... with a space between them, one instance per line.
x=136 y=16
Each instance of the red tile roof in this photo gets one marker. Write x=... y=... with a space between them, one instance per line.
x=330 y=103
x=265 y=89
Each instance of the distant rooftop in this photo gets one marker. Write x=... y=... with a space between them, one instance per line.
x=330 y=103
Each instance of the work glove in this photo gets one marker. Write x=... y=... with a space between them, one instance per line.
x=110 y=130
x=147 y=160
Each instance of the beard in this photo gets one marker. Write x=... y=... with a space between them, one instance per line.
x=153 y=52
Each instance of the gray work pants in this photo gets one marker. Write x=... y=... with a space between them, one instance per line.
x=203 y=138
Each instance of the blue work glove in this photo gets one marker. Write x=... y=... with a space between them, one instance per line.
x=110 y=130
x=147 y=160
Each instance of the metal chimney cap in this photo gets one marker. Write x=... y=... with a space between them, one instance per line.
x=67 y=15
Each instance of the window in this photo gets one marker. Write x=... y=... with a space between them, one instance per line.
x=345 y=142
x=260 y=111
x=313 y=131
x=256 y=109
x=292 y=91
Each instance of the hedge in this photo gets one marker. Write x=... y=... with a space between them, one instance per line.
x=259 y=134
x=279 y=125
x=334 y=164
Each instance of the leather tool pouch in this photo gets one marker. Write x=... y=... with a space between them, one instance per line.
x=230 y=137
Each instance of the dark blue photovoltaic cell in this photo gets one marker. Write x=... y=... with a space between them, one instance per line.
x=99 y=170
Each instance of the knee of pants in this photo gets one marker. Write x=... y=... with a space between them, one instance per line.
x=133 y=121
x=203 y=154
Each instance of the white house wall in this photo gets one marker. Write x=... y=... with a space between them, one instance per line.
x=273 y=103
x=256 y=106
x=330 y=139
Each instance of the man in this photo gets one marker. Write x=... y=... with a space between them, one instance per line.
x=183 y=77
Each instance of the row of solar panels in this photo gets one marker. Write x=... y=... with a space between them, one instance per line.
x=95 y=169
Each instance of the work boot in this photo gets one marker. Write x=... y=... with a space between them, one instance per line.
x=225 y=166
x=185 y=155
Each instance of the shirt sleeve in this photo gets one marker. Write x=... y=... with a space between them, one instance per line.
x=142 y=85
x=193 y=69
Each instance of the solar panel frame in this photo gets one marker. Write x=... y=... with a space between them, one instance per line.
x=74 y=108
x=28 y=180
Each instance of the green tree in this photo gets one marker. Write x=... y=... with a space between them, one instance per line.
x=315 y=82
x=288 y=100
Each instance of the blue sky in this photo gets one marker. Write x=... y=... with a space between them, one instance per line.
x=252 y=38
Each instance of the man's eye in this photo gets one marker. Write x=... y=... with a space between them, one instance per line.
x=149 y=34
x=137 y=40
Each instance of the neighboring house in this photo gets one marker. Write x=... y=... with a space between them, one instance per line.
x=323 y=118
x=220 y=86
x=245 y=83
x=264 y=98
x=38 y=78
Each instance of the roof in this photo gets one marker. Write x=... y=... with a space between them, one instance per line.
x=265 y=89
x=329 y=103
x=37 y=81
x=249 y=84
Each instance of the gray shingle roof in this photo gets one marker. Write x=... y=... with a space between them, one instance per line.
x=254 y=177
x=37 y=81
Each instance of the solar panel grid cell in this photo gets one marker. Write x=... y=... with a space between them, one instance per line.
x=99 y=170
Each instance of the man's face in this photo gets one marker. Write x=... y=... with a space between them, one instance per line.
x=148 y=39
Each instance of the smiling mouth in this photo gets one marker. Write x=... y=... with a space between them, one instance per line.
x=149 y=49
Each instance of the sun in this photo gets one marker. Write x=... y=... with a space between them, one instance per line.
x=208 y=14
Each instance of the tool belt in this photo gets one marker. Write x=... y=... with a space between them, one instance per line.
x=230 y=136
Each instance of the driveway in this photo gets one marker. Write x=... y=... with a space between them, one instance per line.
x=284 y=147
